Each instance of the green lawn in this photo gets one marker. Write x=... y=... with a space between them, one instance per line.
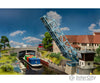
x=7 y=59
x=8 y=73
x=44 y=53
x=53 y=59
x=97 y=70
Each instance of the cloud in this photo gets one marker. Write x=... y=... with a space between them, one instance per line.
x=92 y=28
x=58 y=18
x=31 y=39
x=16 y=44
x=42 y=35
x=55 y=16
x=65 y=29
x=17 y=32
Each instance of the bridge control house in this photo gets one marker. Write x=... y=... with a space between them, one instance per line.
x=86 y=63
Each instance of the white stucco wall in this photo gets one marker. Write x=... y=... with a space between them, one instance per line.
x=84 y=64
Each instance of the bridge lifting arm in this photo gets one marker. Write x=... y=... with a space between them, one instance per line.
x=59 y=38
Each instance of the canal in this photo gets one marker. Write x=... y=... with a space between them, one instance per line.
x=43 y=71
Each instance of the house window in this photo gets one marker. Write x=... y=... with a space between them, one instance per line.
x=82 y=63
x=88 y=63
x=84 y=44
x=74 y=43
x=89 y=49
x=97 y=44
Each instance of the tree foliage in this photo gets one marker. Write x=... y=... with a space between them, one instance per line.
x=4 y=42
x=97 y=58
x=0 y=47
x=47 y=41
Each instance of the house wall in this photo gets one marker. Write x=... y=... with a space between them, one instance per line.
x=70 y=70
x=84 y=64
x=88 y=46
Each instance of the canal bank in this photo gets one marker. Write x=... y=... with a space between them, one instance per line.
x=44 y=70
x=53 y=66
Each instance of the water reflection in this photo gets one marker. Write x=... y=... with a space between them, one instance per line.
x=44 y=70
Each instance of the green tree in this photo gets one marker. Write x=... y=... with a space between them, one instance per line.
x=0 y=47
x=47 y=41
x=98 y=51
x=5 y=41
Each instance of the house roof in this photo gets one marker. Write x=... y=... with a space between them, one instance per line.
x=84 y=38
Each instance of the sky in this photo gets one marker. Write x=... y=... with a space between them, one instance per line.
x=24 y=27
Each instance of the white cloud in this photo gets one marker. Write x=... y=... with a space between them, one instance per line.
x=16 y=44
x=42 y=35
x=31 y=39
x=65 y=29
x=55 y=16
x=92 y=28
x=17 y=32
x=58 y=18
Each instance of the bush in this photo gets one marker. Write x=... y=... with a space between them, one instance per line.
x=42 y=52
x=98 y=68
x=97 y=59
x=7 y=68
x=14 y=54
x=37 y=49
x=6 y=55
x=13 y=60
x=55 y=55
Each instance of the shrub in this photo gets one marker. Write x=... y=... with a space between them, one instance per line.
x=13 y=60
x=6 y=55
x=7 y=68
x=97 y=59
x=14 y=54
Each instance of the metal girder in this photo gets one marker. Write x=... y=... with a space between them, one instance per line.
x=59 y=37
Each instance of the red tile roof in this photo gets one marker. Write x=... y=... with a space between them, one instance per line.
x=84 y=38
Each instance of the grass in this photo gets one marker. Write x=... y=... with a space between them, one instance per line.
x=53 y=59
x=7 y=59
x=4 y=51
x=8 y=73
x=97 y=70
x=44 y=53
